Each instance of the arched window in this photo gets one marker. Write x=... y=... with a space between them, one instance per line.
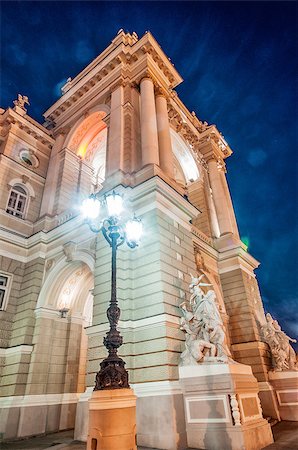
x=17 y=202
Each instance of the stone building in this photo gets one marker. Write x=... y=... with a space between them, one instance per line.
x=118 y=124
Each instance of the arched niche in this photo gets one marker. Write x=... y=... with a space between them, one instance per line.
x=88 y=139
x=68 y=286
x=186 y=170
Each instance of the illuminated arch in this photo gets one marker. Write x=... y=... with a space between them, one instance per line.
x=88 y=139
x=186 y=169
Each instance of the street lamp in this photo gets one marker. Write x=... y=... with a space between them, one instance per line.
x=112 y=373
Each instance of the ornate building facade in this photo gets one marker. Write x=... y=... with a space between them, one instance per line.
x=119 y=124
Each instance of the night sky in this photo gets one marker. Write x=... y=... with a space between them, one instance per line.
x=238 y=61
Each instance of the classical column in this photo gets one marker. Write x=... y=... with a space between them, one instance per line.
x=148 y=124
x=229 y=203
x=164 y=138
x=219 y=197
x=115 y=133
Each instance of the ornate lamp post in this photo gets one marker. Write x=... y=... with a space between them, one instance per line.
x=112 y=373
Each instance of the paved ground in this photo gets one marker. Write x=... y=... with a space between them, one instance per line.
x=285 y=435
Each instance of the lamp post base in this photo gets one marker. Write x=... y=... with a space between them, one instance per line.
x=112 y=420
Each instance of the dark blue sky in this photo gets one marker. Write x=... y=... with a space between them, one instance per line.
x=238 y=61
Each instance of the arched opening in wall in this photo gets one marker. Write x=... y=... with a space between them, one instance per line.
x=185 y=166
x=89 y=141
x=69 y=291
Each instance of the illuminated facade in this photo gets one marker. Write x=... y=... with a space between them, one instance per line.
x=119 y=124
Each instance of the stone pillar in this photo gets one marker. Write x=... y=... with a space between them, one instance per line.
x=67 y=182
x=219 y=197
x=197 y=197
x=115 y=133
x=85 y=179
x=48 y=198
x=164 y=138
x=148 y=124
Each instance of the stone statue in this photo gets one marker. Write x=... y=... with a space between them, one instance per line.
x=283 y=355
x=205 y=339
x=21 y=101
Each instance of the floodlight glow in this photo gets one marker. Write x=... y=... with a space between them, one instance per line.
x=91 y=207
x=114 y=204
x=134 y=230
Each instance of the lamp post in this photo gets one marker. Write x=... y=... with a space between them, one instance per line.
x=112 y=373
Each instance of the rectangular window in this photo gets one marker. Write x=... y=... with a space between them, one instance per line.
x=5 y=282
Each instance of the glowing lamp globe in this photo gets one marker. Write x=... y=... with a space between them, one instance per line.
x=114 y=203
x=91 y=207
x=134 y=230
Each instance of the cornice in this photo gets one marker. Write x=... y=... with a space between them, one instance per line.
x=28 y=125
x=213 y=145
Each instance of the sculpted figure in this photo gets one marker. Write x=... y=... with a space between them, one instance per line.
x=21 y=101
x=205 y=338
x=283 y=355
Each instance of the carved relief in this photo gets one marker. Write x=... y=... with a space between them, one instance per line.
x=200 y=260
x=201 y=321
x=283 y=355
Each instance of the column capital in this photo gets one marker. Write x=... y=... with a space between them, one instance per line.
x=212 y=145
x=161 y=92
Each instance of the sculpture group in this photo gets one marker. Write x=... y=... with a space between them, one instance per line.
x=205 y=339
x=283 y=355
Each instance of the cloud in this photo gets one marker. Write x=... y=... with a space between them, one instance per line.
x=16 y=55
x=83 y=51
x=257 y=157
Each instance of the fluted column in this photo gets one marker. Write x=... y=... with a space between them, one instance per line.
x=164 y=137
x=219 y=197
x=148 y=124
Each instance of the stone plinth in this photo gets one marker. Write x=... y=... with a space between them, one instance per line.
x=222 y=408
x=286 y=388
x=112 y=420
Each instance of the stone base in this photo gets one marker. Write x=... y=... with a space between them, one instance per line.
x=161 y=429
x=268 y=400
x=112 y=420
x=33 y=415
x=160 y=416
x=286 y=389
x=222 y=408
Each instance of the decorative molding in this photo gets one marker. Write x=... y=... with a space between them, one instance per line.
x=162 y=319
x=38 y=400
x=244 y=417
x=285 y=391
x=207 y=398
x=19 y=349
x=235 y=410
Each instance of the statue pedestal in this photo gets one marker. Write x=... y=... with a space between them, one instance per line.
x=112 y=420
x=285 y=384
x=222 y=407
